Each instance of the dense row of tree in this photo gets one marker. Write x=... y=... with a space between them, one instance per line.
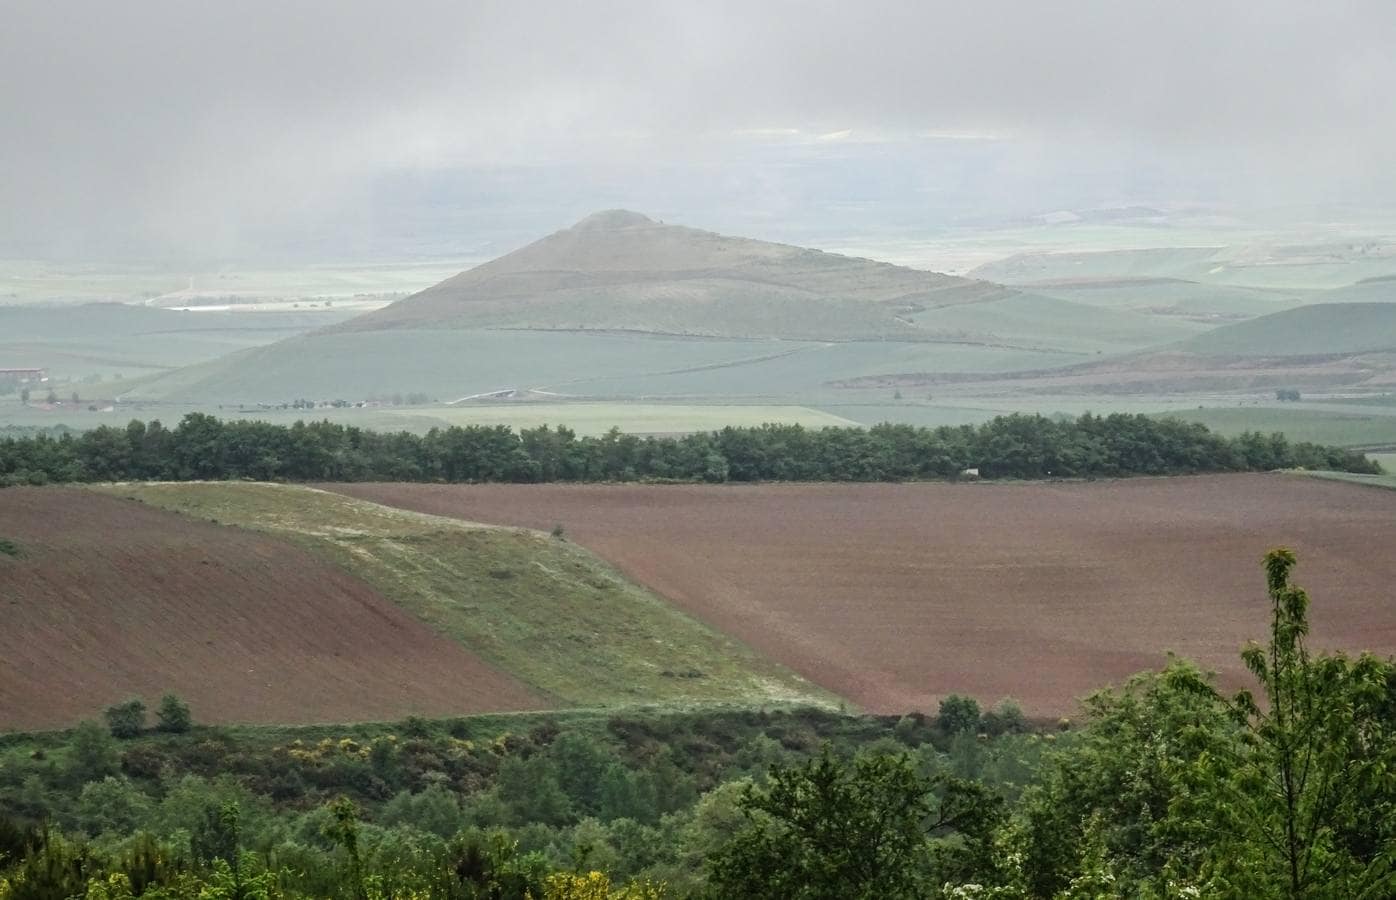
x=1016 y=446
x=1172 y=790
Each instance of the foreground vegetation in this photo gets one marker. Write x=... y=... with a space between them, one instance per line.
x=1017 y=446
x=1170 y=790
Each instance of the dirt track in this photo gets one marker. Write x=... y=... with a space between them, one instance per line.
x=894 y=595
x=112 y=599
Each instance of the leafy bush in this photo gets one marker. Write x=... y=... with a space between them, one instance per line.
x=173 y=715
x=1005 y=718
x=958 y=714
x=126 y=720
x=94 y=753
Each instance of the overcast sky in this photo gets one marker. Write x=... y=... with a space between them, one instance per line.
x=169 y=127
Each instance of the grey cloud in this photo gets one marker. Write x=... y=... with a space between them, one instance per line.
x=154 y=123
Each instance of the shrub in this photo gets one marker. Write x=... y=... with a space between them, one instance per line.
x=144 y=760
x=94 y=753
x=112 y=805
x=173 y=715
x=1007 y=716
x=416 y=727
x=126 y=720
x=958 y=714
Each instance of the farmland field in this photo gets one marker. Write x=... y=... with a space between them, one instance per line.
x=104 y=599
x=895 y=595
x=1386 y=460
x=569 y=627
x=1351 y=428
x=632 y=418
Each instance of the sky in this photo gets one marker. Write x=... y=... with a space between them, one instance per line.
x=186 y=128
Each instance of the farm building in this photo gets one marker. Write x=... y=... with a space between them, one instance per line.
x=23 y=376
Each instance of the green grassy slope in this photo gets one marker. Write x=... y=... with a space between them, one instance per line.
x=1385 y=482
x=446 y=364
x=1319 y=426
x=111 y=338
x=1327 y=328
x=1371 y=290
x=1269 y=262
x=1035 y=321
x=1158 y=262
x=622 y=307
x=450 y=365
x=1174 y=297
x=544 y=610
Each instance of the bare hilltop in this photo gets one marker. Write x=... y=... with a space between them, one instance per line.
x=622 y=271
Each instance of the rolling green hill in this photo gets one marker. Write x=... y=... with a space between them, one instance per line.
x=1032 y=321
x=1325 y=328
x=446 y=364
x=620 y=307
x=76 y=341
x=1368 y=290
x=1173 y=297
x=1158 y=262
x=1341 y=429
x=1268 y=263
x=450 y=365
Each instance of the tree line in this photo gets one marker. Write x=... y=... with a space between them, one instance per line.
x=202 y=447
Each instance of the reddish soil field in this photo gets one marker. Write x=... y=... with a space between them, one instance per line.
x=111 y=599
x=895 y=595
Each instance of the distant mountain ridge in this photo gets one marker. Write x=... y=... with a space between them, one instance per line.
x=622 y=271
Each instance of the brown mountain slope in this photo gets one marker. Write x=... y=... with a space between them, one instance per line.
x=622 y=271
x=109 y=599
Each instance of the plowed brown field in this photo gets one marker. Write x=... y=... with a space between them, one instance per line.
x=894 y=595
x=111 y=599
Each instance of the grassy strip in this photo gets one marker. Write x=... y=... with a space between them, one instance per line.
x=1341 y=429
x=548 y=612
x=1386 y=482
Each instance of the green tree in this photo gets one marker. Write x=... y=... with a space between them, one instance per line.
x=126 y=720
x=627 y=795
x=435 y=810
x=530 y=789
x=835 y=830
x=343 y=829
x=958 y=714
x=95 y=753
x=111 y=805
x=172 y=715
x=1304 y=803
x=1290 y=794
x=580 y=762
x=1116 y=785
x=218 y=835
